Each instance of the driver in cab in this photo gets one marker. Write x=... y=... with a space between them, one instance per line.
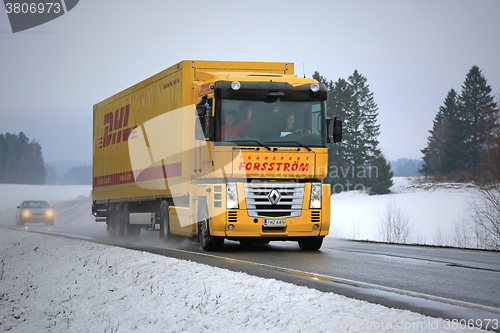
x=289 y=126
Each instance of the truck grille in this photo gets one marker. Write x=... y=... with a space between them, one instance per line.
x=274 y=200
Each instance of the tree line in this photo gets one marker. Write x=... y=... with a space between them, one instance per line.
x=464 y=133
x=21 y=160
x=356 y=163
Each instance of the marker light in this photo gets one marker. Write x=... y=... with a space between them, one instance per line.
x=315 y=202
x=314 y=87
x=235 y=85
x=231 y=196
x=315 y=227
x=230 y=227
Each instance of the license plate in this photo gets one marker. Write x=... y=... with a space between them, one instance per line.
x=275 y=222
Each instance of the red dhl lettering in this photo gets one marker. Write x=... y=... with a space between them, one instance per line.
x=256 y=166
x=204 y=89
x=115 y=131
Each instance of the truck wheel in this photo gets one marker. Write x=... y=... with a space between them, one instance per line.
x=311 y=243
x=112 y=221
x=165 y=222
x=208 y=242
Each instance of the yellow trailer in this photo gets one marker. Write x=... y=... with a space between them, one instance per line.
x=216 y=150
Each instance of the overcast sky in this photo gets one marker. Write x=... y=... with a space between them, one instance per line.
x=411 y=52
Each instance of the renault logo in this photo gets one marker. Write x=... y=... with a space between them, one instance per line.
x=274 y=197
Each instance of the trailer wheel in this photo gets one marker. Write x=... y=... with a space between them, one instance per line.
x=311 y=243
x=112 y=221
x=208 y=242
x=165 y=222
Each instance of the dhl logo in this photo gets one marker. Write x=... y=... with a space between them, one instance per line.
x=204 y=89
x=116 y=130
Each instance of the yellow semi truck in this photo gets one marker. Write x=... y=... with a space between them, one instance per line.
x=216 y=150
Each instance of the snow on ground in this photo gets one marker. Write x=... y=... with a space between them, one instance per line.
x=432 y=208
x=53 y=284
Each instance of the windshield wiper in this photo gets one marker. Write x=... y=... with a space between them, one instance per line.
x=300 y=144
x=263 y=145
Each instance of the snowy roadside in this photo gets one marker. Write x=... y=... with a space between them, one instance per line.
x=52 y=284
x=433 y=210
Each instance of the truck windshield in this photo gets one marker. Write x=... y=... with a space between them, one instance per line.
x=257 y=123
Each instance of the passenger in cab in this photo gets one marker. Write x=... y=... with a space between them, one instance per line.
x=230 y=130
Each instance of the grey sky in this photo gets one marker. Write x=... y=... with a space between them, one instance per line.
x=412 y=53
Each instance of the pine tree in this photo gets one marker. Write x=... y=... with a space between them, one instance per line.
x=452 y=134
x=369 y=113
x=381 y=175
x=340 y=104
x=478 y=117
x=352 y=101
x=21 y=160
x=443 y=151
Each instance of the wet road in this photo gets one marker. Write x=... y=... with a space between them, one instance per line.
x=440 y=282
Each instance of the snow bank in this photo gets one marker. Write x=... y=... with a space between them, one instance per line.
x=432 y=208
x=52 y=284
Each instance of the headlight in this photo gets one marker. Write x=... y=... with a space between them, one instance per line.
x=231 y=196
x=315 y=202
x=26 y=213
x=49 y=213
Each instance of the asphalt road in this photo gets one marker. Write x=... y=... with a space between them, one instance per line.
x=439 y=282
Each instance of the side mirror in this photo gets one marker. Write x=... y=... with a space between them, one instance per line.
x=204 y=128
x=18 y=207
x=337 y=130
x=201 y=110
x=334 y=134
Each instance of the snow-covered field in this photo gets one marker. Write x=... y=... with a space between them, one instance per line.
x=53 y=284
x=433 y=210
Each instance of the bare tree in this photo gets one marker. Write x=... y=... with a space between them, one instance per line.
x=440 y=237
x=463 y=231
x=486 y=216
x=486 y=210
x=395 y=224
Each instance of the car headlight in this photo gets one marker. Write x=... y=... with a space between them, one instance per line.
x=231 y=196
x=315 y=202
x=26 y=213
x=49 y=213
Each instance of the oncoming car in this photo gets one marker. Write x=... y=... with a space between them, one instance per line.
x=35 y=211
